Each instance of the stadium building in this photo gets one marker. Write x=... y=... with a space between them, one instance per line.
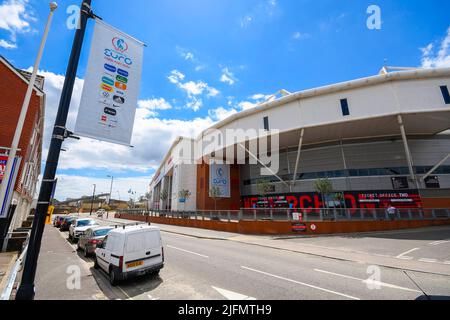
x=381 y=140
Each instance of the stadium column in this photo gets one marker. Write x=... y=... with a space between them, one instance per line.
x=297 y=162
x=407 y=151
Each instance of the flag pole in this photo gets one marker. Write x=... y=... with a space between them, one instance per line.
x=26 y=290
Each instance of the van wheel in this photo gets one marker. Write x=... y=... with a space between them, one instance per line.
x=113 y=277
x=96 y=266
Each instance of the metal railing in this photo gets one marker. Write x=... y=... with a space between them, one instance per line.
x=11 y=280
x=306 y=215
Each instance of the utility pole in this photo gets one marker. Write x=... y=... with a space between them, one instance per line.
x=23 y=114
x=26 y=290
x=93 y=198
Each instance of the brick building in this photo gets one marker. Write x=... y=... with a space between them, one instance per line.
x=13 y=86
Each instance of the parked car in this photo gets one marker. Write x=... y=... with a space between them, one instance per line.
x=57 y=221
x=92 y=238
x=66 y=223
x=130 y=251
x=79 y=227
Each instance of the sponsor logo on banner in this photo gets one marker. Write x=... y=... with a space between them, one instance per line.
x=122 y=79
x=123 y=73
x=111 y=87
x=119 y=44
x=110 y=111
x=110 y=68
x=118 y=99
x=3 y=161
x=121 y=86
x=107 y=88
x=108 y=81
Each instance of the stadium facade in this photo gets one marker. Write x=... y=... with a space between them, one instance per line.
x=381 y=141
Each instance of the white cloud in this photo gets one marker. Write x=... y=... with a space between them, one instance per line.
x=5 y=44
x=15 y=17
x=246 y=105
x=193 y=89
x=154 y=104
x=300 y=36
x=265 y=10
x=228 y=77
x=439 y=59
x=221 y=113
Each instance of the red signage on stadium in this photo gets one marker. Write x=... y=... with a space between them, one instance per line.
x=3 y=161
x=353 y=200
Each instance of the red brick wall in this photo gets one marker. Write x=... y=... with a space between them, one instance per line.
x=12 y=92
x=204 y=202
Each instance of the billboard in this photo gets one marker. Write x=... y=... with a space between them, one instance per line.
x=111 y=86
x=10 y=187
x=3 y=161
x=219 y=175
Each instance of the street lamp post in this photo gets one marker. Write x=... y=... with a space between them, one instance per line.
x=110 y=195
x=23 y=114
x=93 y=198
x=26 y=289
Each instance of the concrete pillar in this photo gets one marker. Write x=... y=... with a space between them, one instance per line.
x=407 y=151
x=299 y=151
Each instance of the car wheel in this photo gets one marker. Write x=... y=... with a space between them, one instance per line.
x=86 y=253
x=78 y=247
x=113 y=277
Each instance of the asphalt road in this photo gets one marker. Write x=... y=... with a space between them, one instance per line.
x=198 y=269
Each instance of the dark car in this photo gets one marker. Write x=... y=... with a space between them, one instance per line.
x=57 y=222
x=66 y=223
x=93 y=237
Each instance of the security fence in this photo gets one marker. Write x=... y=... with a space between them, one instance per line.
x=305 y=215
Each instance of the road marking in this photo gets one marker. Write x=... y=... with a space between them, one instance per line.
x=403 y=255
x=436 y=243
x=428 y=260
x=366 y=281
x=230 y=295
x=187 y=251
x=301 y=283
x=447 y=262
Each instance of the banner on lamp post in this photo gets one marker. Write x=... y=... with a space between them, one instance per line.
x=111 y=86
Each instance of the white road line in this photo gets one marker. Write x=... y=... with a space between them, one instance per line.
x=301 y=283
x=436 y=243
x=366 y=281
x=403 y=255
x=447 y=262
x=230 y=295
x=187 y=251
x=428 y=260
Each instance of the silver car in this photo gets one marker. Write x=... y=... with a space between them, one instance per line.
x=93 y=237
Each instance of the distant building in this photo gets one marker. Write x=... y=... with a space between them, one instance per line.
x=13 y=86
x=380 y=141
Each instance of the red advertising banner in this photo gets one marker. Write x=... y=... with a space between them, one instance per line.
x=3 y=161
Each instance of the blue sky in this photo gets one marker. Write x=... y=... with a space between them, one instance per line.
x=208 y=59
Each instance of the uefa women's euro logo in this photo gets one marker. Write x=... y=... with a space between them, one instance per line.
x=119 y=44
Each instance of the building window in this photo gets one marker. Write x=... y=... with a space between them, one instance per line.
x=445 y=94
x=266 y=124
x=344 y=106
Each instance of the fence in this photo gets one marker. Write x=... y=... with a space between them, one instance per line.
x=306 y=215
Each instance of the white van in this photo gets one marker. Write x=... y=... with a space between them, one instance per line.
x=130 y=251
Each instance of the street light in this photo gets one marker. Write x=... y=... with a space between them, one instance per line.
x=93 y=198
x=110 y=190
x=23 y=114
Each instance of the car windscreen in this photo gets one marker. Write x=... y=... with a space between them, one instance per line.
x=102 y=232
x=85 y=223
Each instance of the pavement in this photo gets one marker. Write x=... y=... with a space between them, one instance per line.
x=209 y=265
x=7 y=261
x=58 y=269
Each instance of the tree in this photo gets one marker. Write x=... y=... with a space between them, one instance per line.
x=131 y=203
x=264 y=188
x=215 y=193
x=324 y=187
x=164 y=196
x=184 y=195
